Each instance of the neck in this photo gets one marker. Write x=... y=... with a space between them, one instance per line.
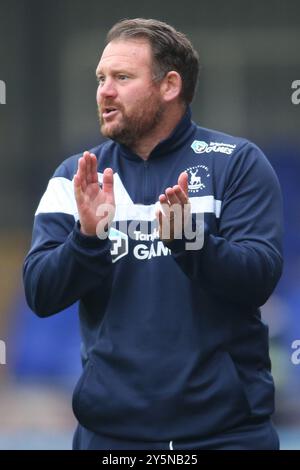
x=169 y=121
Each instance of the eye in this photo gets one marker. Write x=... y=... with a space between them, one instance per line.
x=100 y=79
x=122 y=77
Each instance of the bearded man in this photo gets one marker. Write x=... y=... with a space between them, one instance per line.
x=169 y=236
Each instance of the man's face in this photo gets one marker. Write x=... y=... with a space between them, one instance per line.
x=129 y=102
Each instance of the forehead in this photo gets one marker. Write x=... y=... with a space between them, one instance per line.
x=131 y=52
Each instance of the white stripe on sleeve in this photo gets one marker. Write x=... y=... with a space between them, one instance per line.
x=58 y=197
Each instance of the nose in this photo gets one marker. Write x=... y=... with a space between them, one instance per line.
x=107 y=89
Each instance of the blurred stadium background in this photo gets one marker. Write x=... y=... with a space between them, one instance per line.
x=48 y=53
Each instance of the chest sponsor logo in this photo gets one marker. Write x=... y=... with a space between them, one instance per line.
x=148 y=246
x=119 y=244
x=156 y=248
x=200 y=146
x=197 y=177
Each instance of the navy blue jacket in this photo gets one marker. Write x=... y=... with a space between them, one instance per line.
x=173 y=342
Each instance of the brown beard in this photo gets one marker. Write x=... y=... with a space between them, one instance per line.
x=142 y=121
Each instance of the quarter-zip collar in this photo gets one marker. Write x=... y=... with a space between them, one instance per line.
x=178 y=136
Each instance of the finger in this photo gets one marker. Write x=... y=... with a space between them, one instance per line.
x=82 y=173
x=181 y=195
x=158 y=216
x=94 y=168
x=165 y=209
x=163 y=199
x=78 y=191
x=87 y=157
x=172 y=197
x=160 y=219
x=185 y=203
x=165 y=223
x=183 y=182
x=108 y=183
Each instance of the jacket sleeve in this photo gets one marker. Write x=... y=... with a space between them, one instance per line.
x=243 y=260
x=63 y=264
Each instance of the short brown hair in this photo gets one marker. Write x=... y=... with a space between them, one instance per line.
x=171 y=50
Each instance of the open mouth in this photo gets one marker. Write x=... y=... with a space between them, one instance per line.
x=109 y=112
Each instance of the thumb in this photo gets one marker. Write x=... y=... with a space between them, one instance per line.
x=183 y=182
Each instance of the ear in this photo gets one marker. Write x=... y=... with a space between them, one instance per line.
x=171 y=86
